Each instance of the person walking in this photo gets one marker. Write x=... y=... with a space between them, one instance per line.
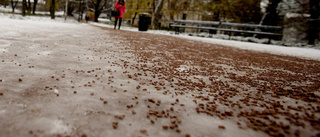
x=121 y=6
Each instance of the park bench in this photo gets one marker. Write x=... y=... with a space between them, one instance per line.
x=271 y=32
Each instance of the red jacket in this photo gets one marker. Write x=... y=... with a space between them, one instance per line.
x=121 y=8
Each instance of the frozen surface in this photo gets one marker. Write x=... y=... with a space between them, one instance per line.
x=63 y=78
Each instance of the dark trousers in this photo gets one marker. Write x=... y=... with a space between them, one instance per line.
x=115 y=24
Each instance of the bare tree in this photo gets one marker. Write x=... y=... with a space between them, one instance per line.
x=136 y=12
x=4 y=2
x=28 y=6
x=271 y=16
x=157 y=14
x=24 y=7
x=35 y=2
x=14 y=5
x=99 y=6
x=313 y=32
x=174 y=7
x=52 y=9
x=134 y=7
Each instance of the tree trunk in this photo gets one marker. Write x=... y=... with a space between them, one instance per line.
x=172 y=8
x=34 y=6
x=134 y=17
x=28 y=6
x=136 y=13
x=66 y=11
x=96 y=15
x=52 y=9
x=97 y=10
x=80 y=11
x=157 y=15
x=24 y=2
x=313 y=32
x=154 y=5
x=13 y=5
x=272 y=16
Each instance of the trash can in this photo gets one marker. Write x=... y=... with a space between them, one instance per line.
x=144 y=21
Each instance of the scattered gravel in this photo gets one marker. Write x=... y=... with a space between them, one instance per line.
x=122 y=83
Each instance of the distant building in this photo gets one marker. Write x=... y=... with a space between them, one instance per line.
x=187 y=12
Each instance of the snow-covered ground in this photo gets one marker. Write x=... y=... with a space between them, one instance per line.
x=238 y=42
x=50 y=86
x=64 y=78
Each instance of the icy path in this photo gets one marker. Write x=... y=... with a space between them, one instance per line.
x=70 y=79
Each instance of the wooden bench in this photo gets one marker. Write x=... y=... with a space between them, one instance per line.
x=272 y=32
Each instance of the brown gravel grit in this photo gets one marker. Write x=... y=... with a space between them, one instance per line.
x=278 y=95
x=104 y=82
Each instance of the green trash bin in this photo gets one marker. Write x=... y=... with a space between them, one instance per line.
x=144 y=21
